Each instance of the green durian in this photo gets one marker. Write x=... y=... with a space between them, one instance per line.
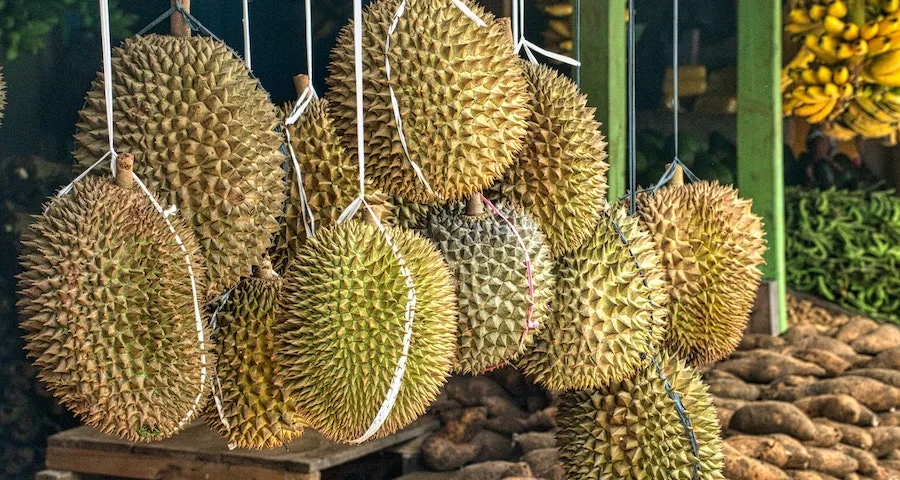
x=560 y=175
x=204 y=136
x=106 y=302
x=711 y=246
x=258 y=412
x=489 y=265
x=461 y=94
x=631 y=429
x=342 y=324
x=608 y=314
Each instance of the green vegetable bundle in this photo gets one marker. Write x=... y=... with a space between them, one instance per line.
x=844 y=245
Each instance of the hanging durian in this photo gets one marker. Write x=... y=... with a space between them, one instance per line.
x=107 y=304
x=256 y=408
x=711 y=246
x=489 y=265
x=330 y=179
x=2 y=95
x=631 y=429
x=203 y=134
x=608 y=313
x=342 y=318
x=461 y=94
x=560 y=175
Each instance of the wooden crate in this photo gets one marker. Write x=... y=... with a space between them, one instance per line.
x=200 y=454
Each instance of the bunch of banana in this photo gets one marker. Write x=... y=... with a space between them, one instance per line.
x=874 y=112
x=558 y=36
x=819 y=92
x=830 y=31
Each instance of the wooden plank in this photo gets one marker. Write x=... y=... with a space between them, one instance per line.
x=760 y=129
x=603 y=79
x=309 y=453
x=131 y=465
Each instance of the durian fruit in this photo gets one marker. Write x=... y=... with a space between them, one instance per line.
x=330 y=179
x=258 y=411
x=560 y=175
x=107 y=304
x=607 y=315
x=401 y=213
x=2 y=95
x=489 y=265
x=462 y=98
x=711 y=246
x=342 y=327
x=631 y=429
x=204 y=136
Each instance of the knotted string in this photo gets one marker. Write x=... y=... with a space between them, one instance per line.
x=522 y=43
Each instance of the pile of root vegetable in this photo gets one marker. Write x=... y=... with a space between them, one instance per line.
x=817 y=403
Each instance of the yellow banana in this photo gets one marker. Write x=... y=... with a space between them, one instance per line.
x=874 y=110
x=879 y=45
x=890 y=6
x=817 y=12
x=841 y=75
x=809 y=76
x=824 y=112
x=796 y=15
x=838 y=9
x=868 y=31
x=566 y=9
x=851 y=32
x=844 y=51
x=888 y=26
x=817 y=93
x=810 y=109
x=883 y=65
x=847 y=90
x=831 y=90
x=862 y=123
x=860 y=48
x=834 y=26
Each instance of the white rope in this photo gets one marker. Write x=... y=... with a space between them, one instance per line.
x=409 y=315
x=522 y=43
x=246 y=24
x=107 y=81
x=358 y=70
x=309 y=220
x=308 y=94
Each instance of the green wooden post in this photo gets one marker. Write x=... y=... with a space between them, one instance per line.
x=759 y=130
x=603 y=79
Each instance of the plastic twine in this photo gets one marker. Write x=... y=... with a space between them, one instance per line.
x=530 y=323
x=309 y=93
x=522 y=43
x=246 y=24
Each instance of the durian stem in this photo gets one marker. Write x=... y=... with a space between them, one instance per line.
x=264 y=270
x=677 y=177
x=475 y=206
x=507 y=22
x=178 y=25
x=124 y=167
x=301 y=83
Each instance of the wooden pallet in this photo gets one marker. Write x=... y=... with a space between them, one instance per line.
x=198 y=453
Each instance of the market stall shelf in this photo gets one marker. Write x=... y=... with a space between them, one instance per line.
x=198 y=453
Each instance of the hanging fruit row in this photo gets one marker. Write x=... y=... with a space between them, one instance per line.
x=498 y=247
x=846 y=74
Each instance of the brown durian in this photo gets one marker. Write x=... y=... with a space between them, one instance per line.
x=107 y=304
x=204 y=136
x=461 y=94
